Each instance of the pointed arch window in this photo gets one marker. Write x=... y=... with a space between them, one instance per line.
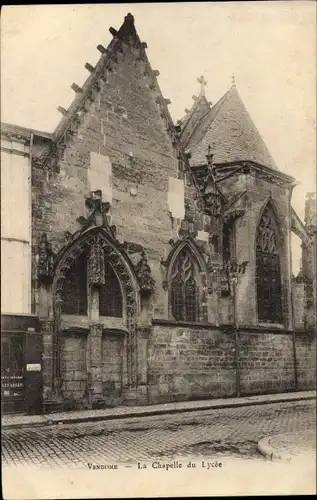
x=184 y=288
x=74 y=294
x=76 y=290
x=110 y=296
x=268 y=272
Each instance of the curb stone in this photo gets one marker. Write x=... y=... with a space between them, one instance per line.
x=271 y=453
x=46 y=420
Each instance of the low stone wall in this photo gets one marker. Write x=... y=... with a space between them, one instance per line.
x=179 y=362
x=266 y=362
x=190 y=362
x=306 y=361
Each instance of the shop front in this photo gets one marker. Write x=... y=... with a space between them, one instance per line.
x=21 y=364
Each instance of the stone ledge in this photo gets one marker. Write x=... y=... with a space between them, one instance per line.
x=229 y=328
x=172 y=322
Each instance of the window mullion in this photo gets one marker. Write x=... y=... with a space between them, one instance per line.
x=184 y=300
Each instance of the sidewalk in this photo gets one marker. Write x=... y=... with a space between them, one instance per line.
x=290 y=446
x=10 y=421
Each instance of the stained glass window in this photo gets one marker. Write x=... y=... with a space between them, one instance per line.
x=75 y=288
x=268 y=273
x=110 y=297
x=184 y=290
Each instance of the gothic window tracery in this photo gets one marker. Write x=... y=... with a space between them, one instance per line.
x=77 y=288
x=268 y=273
x=184 y=288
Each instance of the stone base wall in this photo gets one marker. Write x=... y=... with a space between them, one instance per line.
x=187 y=362
x=266 y=363
x=306 y=361
x=190 y=363
x=193 y=362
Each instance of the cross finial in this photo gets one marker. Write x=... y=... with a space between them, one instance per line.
x=233 y=79
x=203 y=83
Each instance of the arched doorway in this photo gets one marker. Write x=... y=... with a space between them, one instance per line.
x=95 y=292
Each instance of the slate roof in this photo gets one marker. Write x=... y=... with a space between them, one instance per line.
x=231 y=133
x=199 y=109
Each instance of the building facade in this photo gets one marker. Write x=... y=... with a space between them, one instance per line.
x=145 y=261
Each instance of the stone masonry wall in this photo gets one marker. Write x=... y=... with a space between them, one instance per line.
x=306 y=361
x=73 y=366
x=258 y=192
x=126 y=124
x=266 y=363
x=190 y=363
x=112 y=352
x=298 y=296
x=124 y=118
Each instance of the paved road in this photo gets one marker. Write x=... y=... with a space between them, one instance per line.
x=220 y=433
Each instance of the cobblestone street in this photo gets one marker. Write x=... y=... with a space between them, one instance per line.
x=219 y=433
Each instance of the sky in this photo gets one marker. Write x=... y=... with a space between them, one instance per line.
x=269 y=46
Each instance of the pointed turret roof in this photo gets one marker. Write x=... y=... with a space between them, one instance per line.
x=229 y=130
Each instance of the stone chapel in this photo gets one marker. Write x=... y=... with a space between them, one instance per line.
x=145 y=261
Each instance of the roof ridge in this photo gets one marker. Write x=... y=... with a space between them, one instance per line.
x=208 y=112
x=220 y=103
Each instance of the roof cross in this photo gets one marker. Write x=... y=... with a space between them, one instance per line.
x=203 y=83
x=233 y=80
